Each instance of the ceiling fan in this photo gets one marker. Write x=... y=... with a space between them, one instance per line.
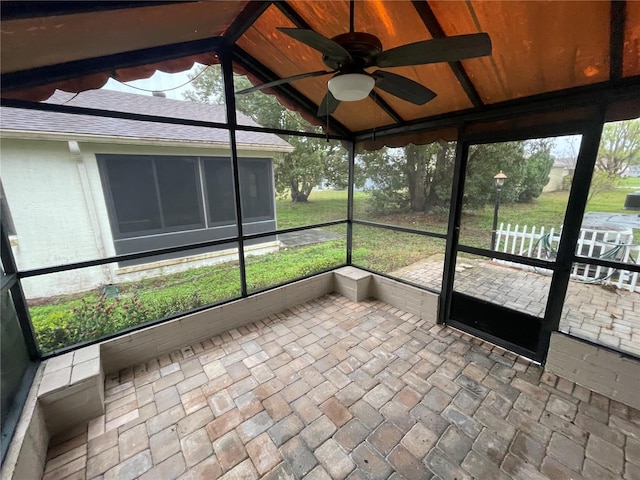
x=349 y=54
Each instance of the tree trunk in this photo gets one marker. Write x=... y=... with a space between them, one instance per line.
x=416 y=177
x=298 y=196
x=439 y=174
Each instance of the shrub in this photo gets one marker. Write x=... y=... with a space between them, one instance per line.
x=96 y=318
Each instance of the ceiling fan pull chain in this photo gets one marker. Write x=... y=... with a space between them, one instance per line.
x=373 y=132
x=327 y=129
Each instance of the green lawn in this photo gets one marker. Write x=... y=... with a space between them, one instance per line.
x=68 y=319
x=323 y=206
x=631 y=183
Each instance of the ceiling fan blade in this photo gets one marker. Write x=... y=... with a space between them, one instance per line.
x=328 y=105
x=280 y=81
x=449 y=49
x=403 y=87
x=318 y=42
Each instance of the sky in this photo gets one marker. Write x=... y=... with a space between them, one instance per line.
x=563 y=146
x=159 y=81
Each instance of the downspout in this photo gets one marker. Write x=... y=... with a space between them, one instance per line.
x=76 y=154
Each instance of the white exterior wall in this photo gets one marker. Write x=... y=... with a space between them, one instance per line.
x=556 y=176
x=57 y=221
x=51 y=219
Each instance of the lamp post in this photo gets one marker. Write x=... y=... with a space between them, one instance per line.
x=499 y=182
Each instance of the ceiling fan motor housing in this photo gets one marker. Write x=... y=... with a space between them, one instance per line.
x=363 y=48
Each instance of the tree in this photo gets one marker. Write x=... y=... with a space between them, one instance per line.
x=619 y=147
x=602 y=182
x=537 y=168
x=387 y=179
x=414 y=178
x=419 y=178
x=313 y=159
x=484 y=162
x=526 y=163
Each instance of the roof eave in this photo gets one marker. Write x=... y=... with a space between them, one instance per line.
x=142 y=141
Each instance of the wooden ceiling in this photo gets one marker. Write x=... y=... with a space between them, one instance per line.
x=538 y=47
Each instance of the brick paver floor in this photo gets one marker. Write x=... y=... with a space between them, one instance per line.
x=599 y=313
x=334 y=389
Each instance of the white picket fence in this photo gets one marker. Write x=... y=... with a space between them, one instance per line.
x=543 y=244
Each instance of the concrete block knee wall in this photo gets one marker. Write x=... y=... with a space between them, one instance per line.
x=149 y=343
x=67 y=391
x=611 y=374
x=71 y=391
x=356 y=285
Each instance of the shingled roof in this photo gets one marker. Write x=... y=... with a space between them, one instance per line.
x=26 y=120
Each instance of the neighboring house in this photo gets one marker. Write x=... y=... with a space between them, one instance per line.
x=77 y=188
x=633 y=171
x=561 y=168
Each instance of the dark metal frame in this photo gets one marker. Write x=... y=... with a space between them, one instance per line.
x=230 y=53
x=96 y=112
x=624 y=88
x=590 y=129
x=15 y=9
x=17 y=294
x=11 y=284
x=614 y=90
x=578 y=195
x=226 y=54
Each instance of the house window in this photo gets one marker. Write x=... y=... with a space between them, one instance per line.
x=219 y=191
x=154 y=195
x=256 y=190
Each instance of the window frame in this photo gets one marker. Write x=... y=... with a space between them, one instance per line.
x=202 y=193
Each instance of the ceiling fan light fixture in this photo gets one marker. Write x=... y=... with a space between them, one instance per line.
x=350 y=87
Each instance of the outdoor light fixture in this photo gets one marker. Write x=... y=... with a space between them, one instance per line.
x=350 y=87
x=499 y=182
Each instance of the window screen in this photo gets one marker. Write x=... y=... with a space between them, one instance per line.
x=149 y=195
x=219 y=188
x=256 y=190
x=178 y=191
x=133 y=193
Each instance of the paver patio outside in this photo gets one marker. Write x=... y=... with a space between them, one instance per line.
x=334 y=389
x=599 y=313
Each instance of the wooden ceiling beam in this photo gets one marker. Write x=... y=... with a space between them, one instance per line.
x=616 y=29
x=289 y=12
x=245 y=19
x=431 y=22
x=386 y=107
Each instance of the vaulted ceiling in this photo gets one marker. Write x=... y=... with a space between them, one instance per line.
x=539 y=48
